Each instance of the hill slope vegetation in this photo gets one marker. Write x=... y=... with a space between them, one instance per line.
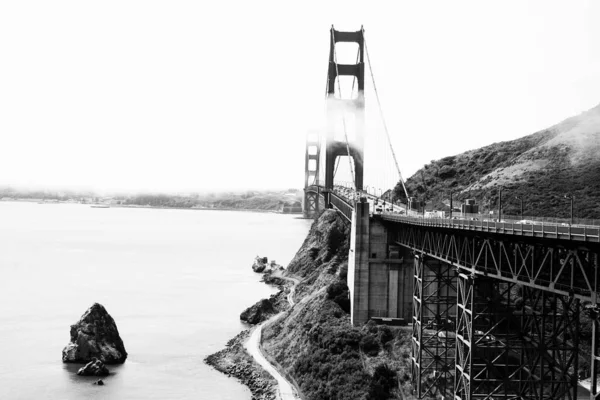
x=540 y=169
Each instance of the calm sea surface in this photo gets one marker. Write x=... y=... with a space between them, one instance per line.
x=175 y=281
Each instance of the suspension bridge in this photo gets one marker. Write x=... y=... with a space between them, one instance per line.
x=500 y=309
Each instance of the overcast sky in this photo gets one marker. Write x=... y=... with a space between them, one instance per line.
x=190 y=95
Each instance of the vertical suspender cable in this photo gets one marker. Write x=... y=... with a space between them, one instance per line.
x=382 y=118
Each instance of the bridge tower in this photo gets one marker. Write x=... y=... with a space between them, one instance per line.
x=334 y=148
x=310 y=205
x=352 y=148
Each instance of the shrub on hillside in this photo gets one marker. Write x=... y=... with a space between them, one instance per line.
x=344 y=272
x=382 y=383
x=385 y=334
x=335 y=240
x=313 y=253
x=446 y=172
x=370 y=345
x=331 y=366
x=339 y=293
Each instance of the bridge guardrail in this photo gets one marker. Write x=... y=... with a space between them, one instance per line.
x=531 y=228
x=342 y=205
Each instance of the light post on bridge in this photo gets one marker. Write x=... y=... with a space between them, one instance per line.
x=571 y=197
x=451 y=204
x=500 y=205
x=521 y=200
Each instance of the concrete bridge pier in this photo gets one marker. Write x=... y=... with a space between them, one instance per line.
x=379 y=272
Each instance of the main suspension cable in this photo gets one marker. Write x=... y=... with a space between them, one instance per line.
x=382 y=117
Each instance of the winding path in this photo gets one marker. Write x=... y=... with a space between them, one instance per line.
x=287 y=391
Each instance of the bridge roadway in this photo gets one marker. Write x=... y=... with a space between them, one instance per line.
x=552 y=230
x=530 y=229
x=546 y=256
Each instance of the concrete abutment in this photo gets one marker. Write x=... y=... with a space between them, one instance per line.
x=380 y=274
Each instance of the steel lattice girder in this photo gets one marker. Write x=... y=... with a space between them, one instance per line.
x=561 y=266
x=417 y=327
x=595 y=362
x=550 y=329
x=495 y=345
x=464 y=334
x=525 y=350
x=434 y=315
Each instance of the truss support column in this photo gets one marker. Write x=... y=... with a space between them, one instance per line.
x=434 y=317
x=417 y=326
x=550 y=337
x=595 y=317
x=465 y=344
x=594 y=314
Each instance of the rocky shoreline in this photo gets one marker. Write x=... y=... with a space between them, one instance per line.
x=235 y=362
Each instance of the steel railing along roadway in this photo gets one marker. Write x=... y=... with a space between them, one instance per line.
x=530 y=229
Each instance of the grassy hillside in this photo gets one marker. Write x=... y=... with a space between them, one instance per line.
x=314 y=342
x=540 y=168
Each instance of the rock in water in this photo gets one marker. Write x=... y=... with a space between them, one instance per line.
x=94 y=368
x=99 y=382
x=95 y=336
x=259 y=265
x=258 y=312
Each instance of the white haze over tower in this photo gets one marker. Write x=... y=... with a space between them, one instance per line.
x=350 y=121
x=148 y=95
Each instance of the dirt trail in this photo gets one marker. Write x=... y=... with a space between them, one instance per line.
x=286 y=390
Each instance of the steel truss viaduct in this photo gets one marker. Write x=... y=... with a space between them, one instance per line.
x=500 y=316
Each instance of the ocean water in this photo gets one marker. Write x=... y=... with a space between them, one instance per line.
x=175 y=281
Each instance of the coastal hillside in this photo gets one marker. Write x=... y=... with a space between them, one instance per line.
x=540 y=168
x=249 y=200
x=286 y=201
x=314 y=343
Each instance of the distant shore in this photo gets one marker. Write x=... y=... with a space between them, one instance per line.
x=205 y=208
x=158 y=207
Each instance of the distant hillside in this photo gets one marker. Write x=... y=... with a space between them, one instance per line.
x=250 y=200
x=287 y=201
x=540 y=168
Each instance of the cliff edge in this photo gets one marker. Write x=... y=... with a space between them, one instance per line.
x=314 y=343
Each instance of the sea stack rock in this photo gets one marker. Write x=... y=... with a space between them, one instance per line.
x=95 y=336
x=94 y=368
x=260 y=263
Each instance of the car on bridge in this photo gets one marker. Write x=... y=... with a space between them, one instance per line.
x=525 y=221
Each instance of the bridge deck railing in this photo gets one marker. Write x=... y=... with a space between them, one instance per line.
x=530 y=228
x=343 y=205
x=512 y=218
